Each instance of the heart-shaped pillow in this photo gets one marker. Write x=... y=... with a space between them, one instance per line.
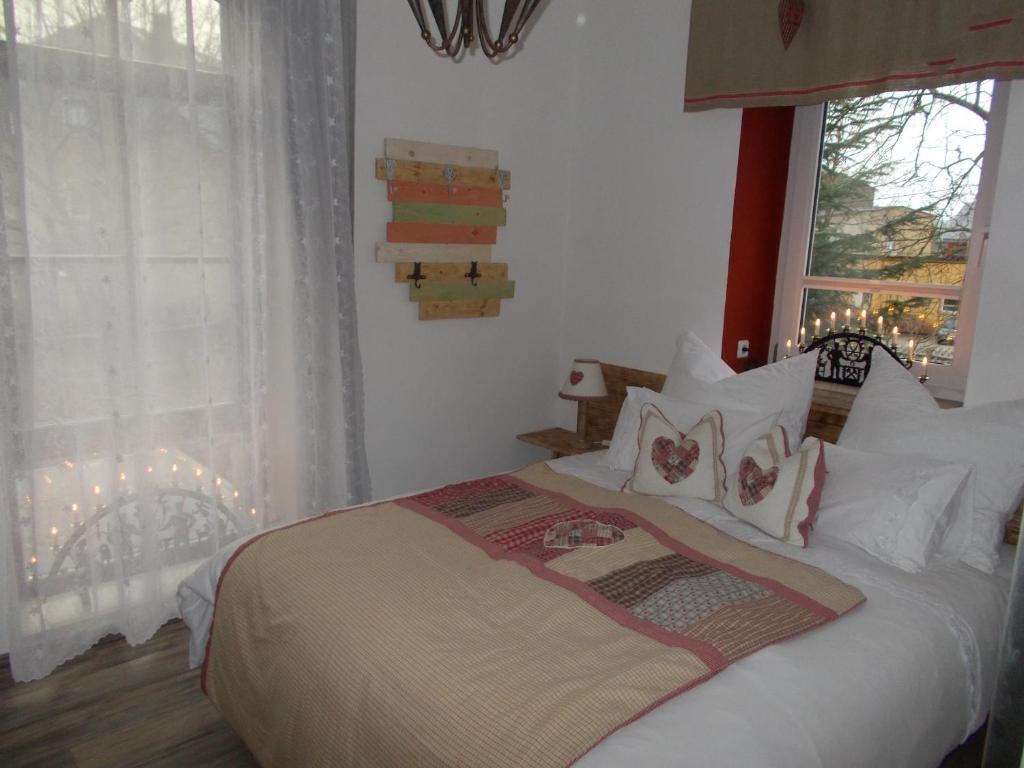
x=783 y=499
x=673 y=463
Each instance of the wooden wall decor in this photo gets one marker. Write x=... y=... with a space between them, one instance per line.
x=447 y=207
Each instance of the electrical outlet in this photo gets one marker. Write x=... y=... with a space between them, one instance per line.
x=743 y=349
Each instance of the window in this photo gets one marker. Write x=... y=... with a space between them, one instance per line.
x=123 y=164
x=886 y=216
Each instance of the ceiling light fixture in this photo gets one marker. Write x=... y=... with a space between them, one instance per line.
x=470 y=24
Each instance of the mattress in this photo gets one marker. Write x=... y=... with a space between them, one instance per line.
x=901 y=681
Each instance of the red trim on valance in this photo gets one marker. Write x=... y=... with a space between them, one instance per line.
x=974 y=67
x=990 y=24
x=855 y=83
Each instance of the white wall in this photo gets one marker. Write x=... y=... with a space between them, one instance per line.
x=445 y=399
x=618 y=232
x=651 y=195
x=997 y=357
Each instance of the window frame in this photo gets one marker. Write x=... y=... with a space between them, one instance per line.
x=946 y=381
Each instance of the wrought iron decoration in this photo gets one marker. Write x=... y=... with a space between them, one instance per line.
x=470 y=24
x=844 y=357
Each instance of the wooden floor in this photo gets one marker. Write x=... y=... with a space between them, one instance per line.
x=117 y=706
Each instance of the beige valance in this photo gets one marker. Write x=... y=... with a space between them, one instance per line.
x=839 y=48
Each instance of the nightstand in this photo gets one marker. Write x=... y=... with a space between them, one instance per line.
x=561 y=442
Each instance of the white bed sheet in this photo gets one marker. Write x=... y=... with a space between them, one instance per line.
x=900 y=681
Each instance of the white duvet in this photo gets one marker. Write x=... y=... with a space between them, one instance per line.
x=900 y=681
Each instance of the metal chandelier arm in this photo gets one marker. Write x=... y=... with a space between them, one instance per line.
x=471 y=22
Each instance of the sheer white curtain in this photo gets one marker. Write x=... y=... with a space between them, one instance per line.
x=178 y=354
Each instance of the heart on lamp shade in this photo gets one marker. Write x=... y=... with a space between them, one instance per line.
x=575 y=377
x=674 y=461
x=791 y=13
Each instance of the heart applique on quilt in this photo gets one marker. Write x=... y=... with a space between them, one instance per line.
x=755 y=483
x=571 y=534
x=674 y=461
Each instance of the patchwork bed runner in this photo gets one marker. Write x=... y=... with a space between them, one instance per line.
x=442 y=629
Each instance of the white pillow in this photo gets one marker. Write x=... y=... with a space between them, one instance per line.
x=694 y=361
x=894 y=414
x=785 y=387
x=778 y=491
x=740 y=426
x=897 y=508
x=670 y=462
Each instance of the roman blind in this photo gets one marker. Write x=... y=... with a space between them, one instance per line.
x=745 y=53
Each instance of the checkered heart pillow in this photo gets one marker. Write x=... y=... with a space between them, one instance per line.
x=777 y=491
x=673 y=463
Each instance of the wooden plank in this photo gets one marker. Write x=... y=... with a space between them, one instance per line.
x=446 y=154
x=408 y=232
x=434 y=213
x=428 y=253
x=433 y=173
x=411 y=192
x=451 y=271
x=450 y=310
x=462 y=290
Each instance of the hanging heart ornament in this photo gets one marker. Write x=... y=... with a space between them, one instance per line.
x=791 y=13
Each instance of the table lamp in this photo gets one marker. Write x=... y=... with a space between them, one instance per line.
x=585 y=383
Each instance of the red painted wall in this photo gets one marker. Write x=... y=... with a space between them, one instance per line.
x=758 y=208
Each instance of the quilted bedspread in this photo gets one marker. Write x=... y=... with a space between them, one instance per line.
x=441 y=630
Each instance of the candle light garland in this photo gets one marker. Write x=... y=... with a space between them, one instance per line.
x=61 y=559
x=845 y=355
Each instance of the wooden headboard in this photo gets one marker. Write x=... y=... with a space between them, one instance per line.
x=830 y=406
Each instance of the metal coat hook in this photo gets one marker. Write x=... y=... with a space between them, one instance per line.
x=450 y=173
x=417 y=274
x=473 y=273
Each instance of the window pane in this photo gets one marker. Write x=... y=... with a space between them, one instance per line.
x=897 y=184
x=930 y=323
x=70 y=25
x=149 y=31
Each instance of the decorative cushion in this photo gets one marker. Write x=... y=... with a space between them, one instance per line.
x=698 y=375
x=897 y=508
x=894 y=414
x=777 y=491
x=740 y=427
x=673 y=463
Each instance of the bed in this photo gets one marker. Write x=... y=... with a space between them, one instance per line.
x=898 y=679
